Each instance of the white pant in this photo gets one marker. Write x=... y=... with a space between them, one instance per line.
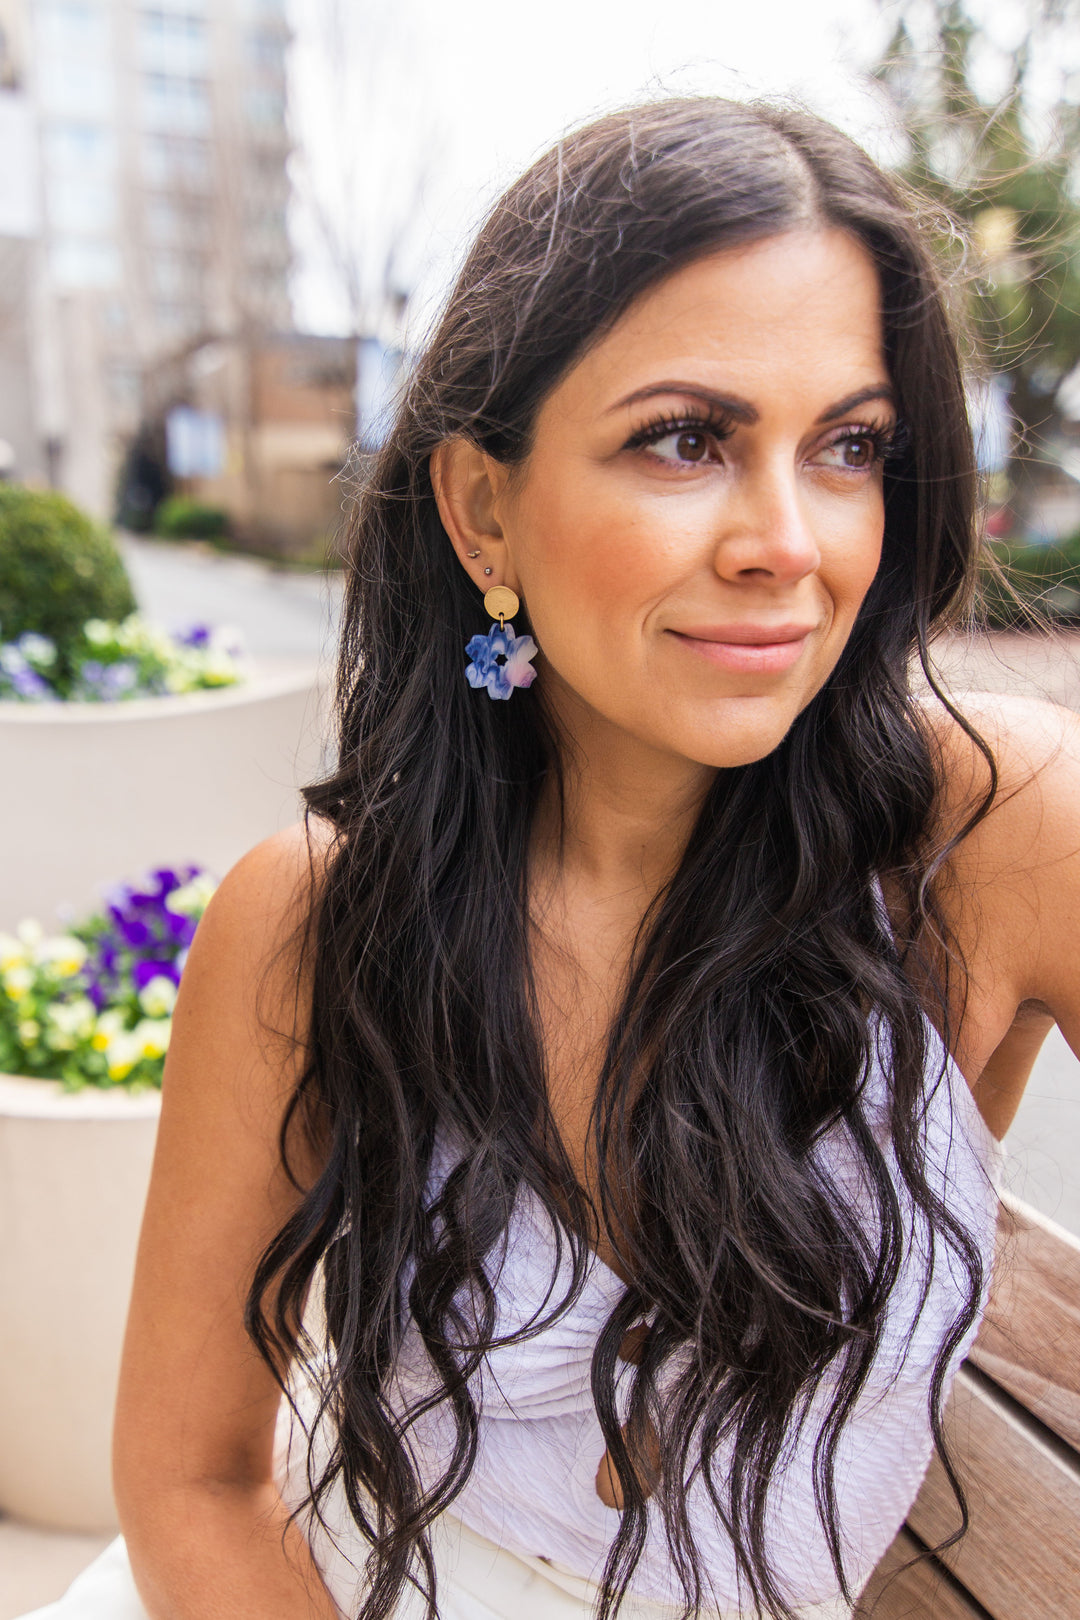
x=476 y=1581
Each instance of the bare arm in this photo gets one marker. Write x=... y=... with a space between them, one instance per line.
x=1015 y=899
x=206 y=1531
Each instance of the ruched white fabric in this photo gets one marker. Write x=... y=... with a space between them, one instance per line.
x=529 y=1535
x=532 y=1490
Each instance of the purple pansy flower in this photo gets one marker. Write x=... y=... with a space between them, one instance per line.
x=500 y=661
x=148 y=969
x=196 y=635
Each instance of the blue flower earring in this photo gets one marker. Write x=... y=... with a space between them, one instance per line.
x=500 y=660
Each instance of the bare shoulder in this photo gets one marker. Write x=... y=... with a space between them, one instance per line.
x=256 y=916
x=243 y=1009
x=274 y=883
x=1034 y=821
x=1012 y=890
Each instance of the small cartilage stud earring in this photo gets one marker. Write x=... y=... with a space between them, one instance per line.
x=474 y=554
x=487 y=570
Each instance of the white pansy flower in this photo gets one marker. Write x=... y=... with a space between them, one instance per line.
x=152 y=1035
x=29 y=1031
x=12 y=952
x=110 y=1024
x=18 y=981
x=37 y=649
x=64 y=954
x=122 y=1053
x=68 y=1022
x=30 y=932
x=98 y=632
x=218 y=669
x=191 y=899
x=158 y=997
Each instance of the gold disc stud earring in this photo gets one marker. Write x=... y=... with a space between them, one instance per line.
x=501 y=603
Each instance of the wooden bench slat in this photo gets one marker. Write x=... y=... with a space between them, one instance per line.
x=1029 y=1342
x=923 y=1592
x=1021 y=1557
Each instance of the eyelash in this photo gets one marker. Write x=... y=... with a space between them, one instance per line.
x=660 y=427
x=888 y=442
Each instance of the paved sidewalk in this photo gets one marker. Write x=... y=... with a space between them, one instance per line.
x=284 y=615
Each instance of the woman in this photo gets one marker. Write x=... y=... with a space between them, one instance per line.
x=597 y=1058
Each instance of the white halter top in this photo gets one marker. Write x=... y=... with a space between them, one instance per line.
x=532 y=1489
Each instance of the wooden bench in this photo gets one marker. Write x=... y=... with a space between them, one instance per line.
x=1014 y=1426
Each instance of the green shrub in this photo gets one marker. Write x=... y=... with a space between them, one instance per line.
x=179 y=518
x=1041 y=583
x=57 y=568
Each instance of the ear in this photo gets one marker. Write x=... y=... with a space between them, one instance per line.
x=467 y=484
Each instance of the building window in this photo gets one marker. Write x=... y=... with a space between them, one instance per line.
x=81 y=207
x=124 y=389
x=174 y=42
x=177 y=320
x=178 y=277
x=70 y=87
x=84 y=262
x=171 y=219
x=267 y=52
x=89 y=149
x=179 y=162
x=170 y=102
x=71 y=28
x=265 y=107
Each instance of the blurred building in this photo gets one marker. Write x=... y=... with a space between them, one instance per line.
x=21 y=450
x=159 y=138
x=262 y=427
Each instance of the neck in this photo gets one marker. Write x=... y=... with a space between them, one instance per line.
x=628 y=808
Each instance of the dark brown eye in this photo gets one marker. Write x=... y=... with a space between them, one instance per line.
x=858 y=452
x=688 y=444
x=692 y=446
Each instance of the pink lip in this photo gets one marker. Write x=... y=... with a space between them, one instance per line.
x=747 y=648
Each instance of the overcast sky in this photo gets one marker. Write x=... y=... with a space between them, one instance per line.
x=411 y=115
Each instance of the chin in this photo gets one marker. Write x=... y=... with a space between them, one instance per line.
x=748 y=737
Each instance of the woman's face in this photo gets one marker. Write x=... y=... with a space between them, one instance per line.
x=701 y=513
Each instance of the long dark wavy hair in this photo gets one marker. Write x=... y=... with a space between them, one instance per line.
x=746 y=1029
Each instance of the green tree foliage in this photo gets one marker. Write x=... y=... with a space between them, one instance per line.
x=57 y=568
x=180 y=518
x=1007 y=167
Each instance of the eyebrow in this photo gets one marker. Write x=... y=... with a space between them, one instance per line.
x=741 y=409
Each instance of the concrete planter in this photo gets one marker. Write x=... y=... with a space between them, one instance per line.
x=74 y=1169
x=98 y=792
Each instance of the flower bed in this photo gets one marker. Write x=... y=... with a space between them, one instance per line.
x=93 y=1006
x=110 y=662
x=85 y=1019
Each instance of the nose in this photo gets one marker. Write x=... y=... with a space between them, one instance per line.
x=765 y=534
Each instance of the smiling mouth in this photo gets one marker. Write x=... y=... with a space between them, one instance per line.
x=747 y=650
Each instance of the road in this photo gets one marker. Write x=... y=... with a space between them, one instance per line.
x=291 y=617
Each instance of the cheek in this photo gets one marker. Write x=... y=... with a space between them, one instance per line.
x=588 y=566
x=856 y=555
